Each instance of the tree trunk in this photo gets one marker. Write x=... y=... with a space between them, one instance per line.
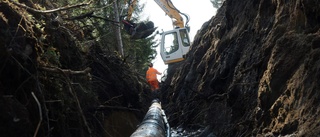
x=118 y=31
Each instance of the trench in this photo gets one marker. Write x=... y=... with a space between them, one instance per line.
x=120 y=123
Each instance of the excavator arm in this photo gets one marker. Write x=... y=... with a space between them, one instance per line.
x=172 y=12
x=131 y=6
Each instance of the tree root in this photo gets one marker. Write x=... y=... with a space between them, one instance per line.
x=40 y=114
x=68 y=71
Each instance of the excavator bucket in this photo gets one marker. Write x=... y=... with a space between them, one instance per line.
x=143 y=30
x=139 y=30
x=143 y=34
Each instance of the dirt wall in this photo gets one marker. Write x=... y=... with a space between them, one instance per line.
x=252 y=70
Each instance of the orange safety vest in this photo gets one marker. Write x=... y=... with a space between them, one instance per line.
x=152 y=74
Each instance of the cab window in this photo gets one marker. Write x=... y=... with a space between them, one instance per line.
x=171 y=43
x=184 y=37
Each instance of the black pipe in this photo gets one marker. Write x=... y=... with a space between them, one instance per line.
x=153 y=124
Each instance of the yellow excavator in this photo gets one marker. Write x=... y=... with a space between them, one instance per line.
x=174 y=43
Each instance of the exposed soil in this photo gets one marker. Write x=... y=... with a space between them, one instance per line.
x=252 y=70
x=51 y=85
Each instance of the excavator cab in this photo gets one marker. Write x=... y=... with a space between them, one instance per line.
x=174 y=45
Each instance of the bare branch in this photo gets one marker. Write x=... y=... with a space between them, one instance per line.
x=90 y=15
x=106 y=19
x=53 y=10
x=82 y=16
x=116 y=97
x=40 y=113
x=73 y=93
x=66 y=71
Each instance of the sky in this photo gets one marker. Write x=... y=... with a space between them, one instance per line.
x=199 y=12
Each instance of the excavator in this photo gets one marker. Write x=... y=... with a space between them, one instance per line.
x=174 y=43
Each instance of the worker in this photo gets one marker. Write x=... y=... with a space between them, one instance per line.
x=151 y=76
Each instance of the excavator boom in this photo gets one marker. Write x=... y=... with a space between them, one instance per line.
x=132 y=4
x=172 y=12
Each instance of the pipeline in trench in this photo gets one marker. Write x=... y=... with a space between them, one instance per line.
x=125 y=123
